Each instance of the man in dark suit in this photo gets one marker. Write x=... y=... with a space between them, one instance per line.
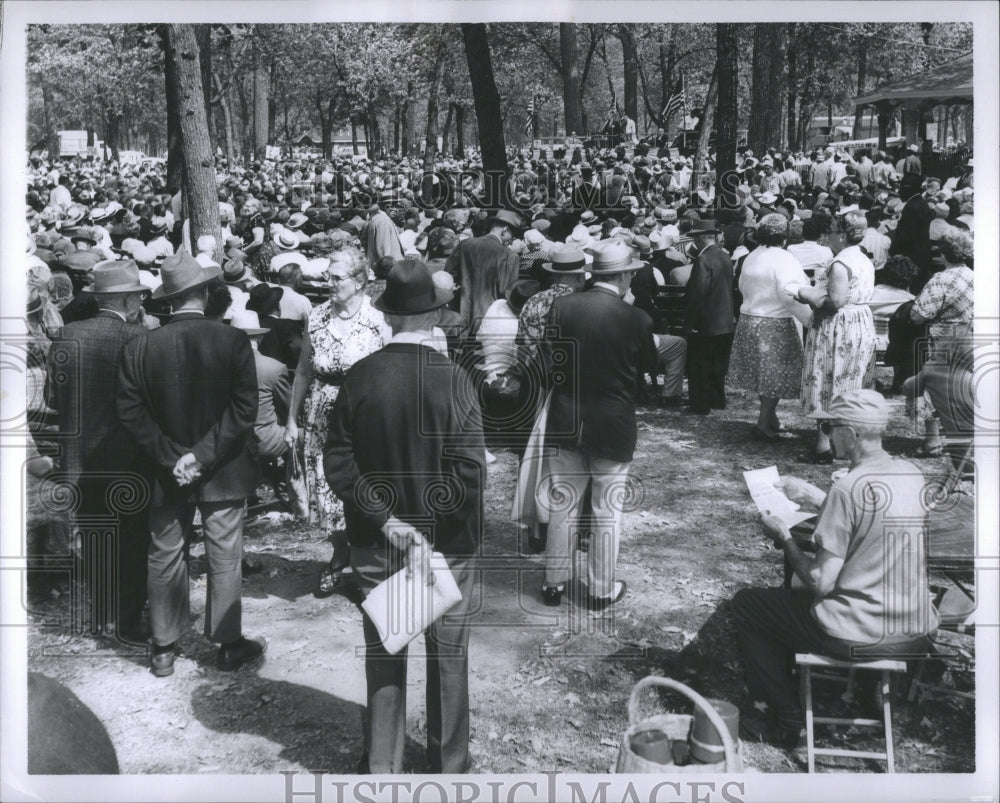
x=98 y=455
x=405 y=431
x=187 y=392
x=485 y=268
x=912 y=235
x=709 y=320
x=591 y=420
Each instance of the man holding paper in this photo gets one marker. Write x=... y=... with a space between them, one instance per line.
x=866 y=593
x=405 y=452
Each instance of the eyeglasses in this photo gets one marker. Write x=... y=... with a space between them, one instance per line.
x=333 y=278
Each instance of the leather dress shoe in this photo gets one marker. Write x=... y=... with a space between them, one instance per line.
x=240 y=653
x=162 y=662
x=552 y=595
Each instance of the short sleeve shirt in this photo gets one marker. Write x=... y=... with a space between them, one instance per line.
x=947 y=299
x=874 y=520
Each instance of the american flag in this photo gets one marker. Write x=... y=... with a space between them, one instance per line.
x=529 y=122
x=674 y=104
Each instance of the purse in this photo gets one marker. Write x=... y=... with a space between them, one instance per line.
x=404 y=605
x=295 y=480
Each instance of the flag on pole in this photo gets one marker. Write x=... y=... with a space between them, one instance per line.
x=676 y=102
x=529 y=123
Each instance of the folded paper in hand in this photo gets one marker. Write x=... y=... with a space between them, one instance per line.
x=404 y=606
x=760 y=483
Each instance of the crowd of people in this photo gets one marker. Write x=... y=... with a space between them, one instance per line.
x=375 y=323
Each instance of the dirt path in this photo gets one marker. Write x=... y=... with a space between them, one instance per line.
x=548 y=690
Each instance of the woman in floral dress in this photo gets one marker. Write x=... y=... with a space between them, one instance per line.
x=341 y=331
x=840 y=345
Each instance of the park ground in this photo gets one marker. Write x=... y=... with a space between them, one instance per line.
x=549 y=687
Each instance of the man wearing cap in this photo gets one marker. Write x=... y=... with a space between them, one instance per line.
x=485 y=268
x=709 y=320
x=98 y=455
x=187 y=393
x=604 y=344
x=866 y=592
x=911 y=162
x=407 y=419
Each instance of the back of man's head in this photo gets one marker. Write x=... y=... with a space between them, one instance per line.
x=290 y=275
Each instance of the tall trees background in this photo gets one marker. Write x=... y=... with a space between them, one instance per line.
x=393 y=87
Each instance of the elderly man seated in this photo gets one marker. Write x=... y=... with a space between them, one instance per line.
x=866 y=592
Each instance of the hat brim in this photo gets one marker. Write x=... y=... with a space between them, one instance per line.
x=253 y=332
x=441 y=297
x=548 y=268
x=141 y=288
x=207 y=274
x=634 y=264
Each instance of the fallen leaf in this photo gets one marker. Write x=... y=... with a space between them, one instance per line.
x=572 y=698
x=576 y=724
x=608 y=743
x=536 y=745
x=671 y=629
x=541 y=681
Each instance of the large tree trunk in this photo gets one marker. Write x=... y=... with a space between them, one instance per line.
x=354 y=134
x=446 y=131
x=572 y=109
x=791 y=129
x=374 y=129
x=431 y=130
x=246 y=120
x=199 y=166
x=227 y=120
x=727 y=68
x=51 y=135
x=768 y=75
x=261 y=93
x=175 y=151
x=630 y=60
x=459 y=130
x=488 y=117
x=408 y=140
x=204 y=35
x=707 y=121
x=395 y=129
x=859 y=112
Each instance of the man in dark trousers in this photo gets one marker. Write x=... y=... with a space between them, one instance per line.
x=98 y=455
x=187 y=393
x=485 y=268
x=591 y=422
x=405 y=452
x=912 y=235
x=709 y=320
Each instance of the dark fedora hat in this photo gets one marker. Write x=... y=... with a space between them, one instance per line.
x=264 y=299
x=511 y=219
x=566 y=260
x=410 y=290
x=116 y=277
x=521 y=292
x=181 y=272
x=704 y=227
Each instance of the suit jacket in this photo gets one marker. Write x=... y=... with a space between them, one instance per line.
x=273 y=398
x=87 y=355
x=912 y=235
x=486 y=269
x=708 y=300
x=405 y=438
x=605 y=344
x=191 y=386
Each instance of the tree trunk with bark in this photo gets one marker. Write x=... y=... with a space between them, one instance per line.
x=488 y=116
x=791 y=128
x=570 y=72
x=199 y=166
x=227 y=120
x=203 y=33
x=175 y=148
x=630 y=61
x=859 y=112
x=768 y=76
x=51 y=135
x=408 y=140
x=460 y=130
x=261 y=93
x=727 y=69
x=431 y=129
x=354 y=134
x=707 y=121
